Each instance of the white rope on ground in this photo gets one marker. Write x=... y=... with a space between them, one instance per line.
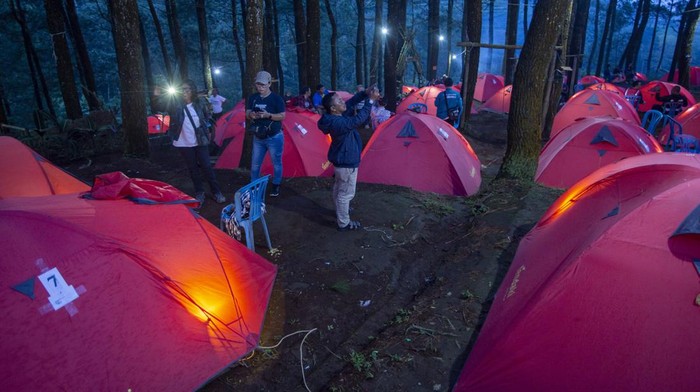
x=301 y=350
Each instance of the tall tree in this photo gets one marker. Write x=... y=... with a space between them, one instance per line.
x=631 y=52
x=653 y=36
x=253 y=53
x=525 y=118
x=552 y=94
x=377 y=42
x=201 y=7
x=178 y=43
x=125 y=21
x=278 y=61
x=596 y=22
x=450 y=18
x=577 y=39
x=360 y=44
x=608 y=44
x=526 y=8
x=491 y=5
x=396 y=19
x=334 y=45
x=161 y=41
x=684 y=42
x=471 y=32
x=433 y=34
x=511 y=37
x=300 y=41
x=61 y=54
x=237 y=45
x=669 y=12
x=313 y=42
x=607 y=31
x=89 y=87
x=35 y=71
x=270 y=51
x=147 y=69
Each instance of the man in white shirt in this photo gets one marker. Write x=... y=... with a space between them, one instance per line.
x=216 y=102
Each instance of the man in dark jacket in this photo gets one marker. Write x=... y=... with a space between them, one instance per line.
x=346 y=147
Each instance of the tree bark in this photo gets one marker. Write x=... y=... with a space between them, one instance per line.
x=663 y=42
x=147 y=70
x=577 y=41
x=631 y=52
x=511 y=37
x=526 y=8
x=61 y=54
x=684 y=43
x=396 y=19
x=471 y=32
x=595 y=38
x=254 y=51
x=334 y=45
x=433 y=35
x=653 y=37
x=161 y=41
x=278 y=65
x=450 y=17
x=360 y=50
x=127 y=41
x=300 y=37
x=553 y=91
x=269 y=44
x=490 y=51
x=608 y=45
x=525 y=118
x=313 y=42
x=376 y=42
x=178 y=43
x=237 y=45
x=89 y=86
x=201 y=7
x=607 y=30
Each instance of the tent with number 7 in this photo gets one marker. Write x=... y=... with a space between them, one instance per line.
x=96 y=295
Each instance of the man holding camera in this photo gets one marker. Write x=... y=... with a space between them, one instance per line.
x=265 y=111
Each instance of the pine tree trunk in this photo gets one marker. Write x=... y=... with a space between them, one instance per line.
x=450 y=17
x=609 y=45
x=204 y=43
x=433 y=34
x=691 y=15
x=490 y=50
x=254 y=52
x=269 y=44
x=595 y=39
x=278 y=62
x=663 y=42
x=360 y=77
x=577 y=41
x=178 y=43
x=376 y=42
x=525 y=118
x=61 y=54
x=127 y=42
x=300 y=37
x=89 y=87
x=396 y=19
x=161 y=41
x=237 y=45
x=653 y=37
x=313 y=42
x=526 y=8
x=147 y=70
x=553 y=90
x=471 y=32
x=607 y=30
x=334 y=45
x=511 y=37
x=18 y=15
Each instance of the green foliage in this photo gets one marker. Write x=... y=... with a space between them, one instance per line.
x=402 y=315
x=341 y=286
x=361 y=364
x=437 y=206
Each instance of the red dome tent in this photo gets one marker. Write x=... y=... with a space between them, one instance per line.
x=421 y=101
x=421 y=152
x=592 y=103
x=24 y=173
x=650 y=89
x=588 y=144
x=227 y=125
x=590 y=79
x=694 y=76
x=305 y=146
x=97 y=296
x=607 y=87
x=602 y=292
x=499 y=102
x=689 y=120
x=486 y=86
x=158 y=124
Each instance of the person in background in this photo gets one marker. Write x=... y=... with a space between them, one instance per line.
x=671 y=104
x=379 y=113
x=318 y=96
x=633 y=95
x=266 y=110
x=189 y=117
x=449 y=104
x=217 y=102
x=303 y=100
x=346 y=147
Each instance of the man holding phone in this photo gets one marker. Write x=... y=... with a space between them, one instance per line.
x=266 y=110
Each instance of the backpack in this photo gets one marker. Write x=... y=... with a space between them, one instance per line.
x=452 y=113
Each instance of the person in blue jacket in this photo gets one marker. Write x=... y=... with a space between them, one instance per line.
x=449 y=104
x=340 y=122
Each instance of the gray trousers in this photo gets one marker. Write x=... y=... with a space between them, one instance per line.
x=343 y=192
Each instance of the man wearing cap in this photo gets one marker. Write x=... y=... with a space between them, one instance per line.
x=266 y=110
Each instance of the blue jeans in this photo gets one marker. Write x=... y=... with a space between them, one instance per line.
x=197 y=158
x=273 y=144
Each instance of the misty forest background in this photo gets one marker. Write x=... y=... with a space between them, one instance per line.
x=302 y=43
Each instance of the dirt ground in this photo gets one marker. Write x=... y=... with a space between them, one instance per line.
x=395 y=306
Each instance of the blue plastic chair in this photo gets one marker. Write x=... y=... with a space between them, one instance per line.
x=651 y=121
x=675 y=130
x=248 y=206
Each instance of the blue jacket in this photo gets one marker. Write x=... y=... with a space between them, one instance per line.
x=346 y=144
x=453 y=101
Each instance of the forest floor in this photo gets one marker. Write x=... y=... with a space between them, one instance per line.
x=395 y=306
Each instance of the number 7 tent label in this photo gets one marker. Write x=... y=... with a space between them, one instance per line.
x=60 y=292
